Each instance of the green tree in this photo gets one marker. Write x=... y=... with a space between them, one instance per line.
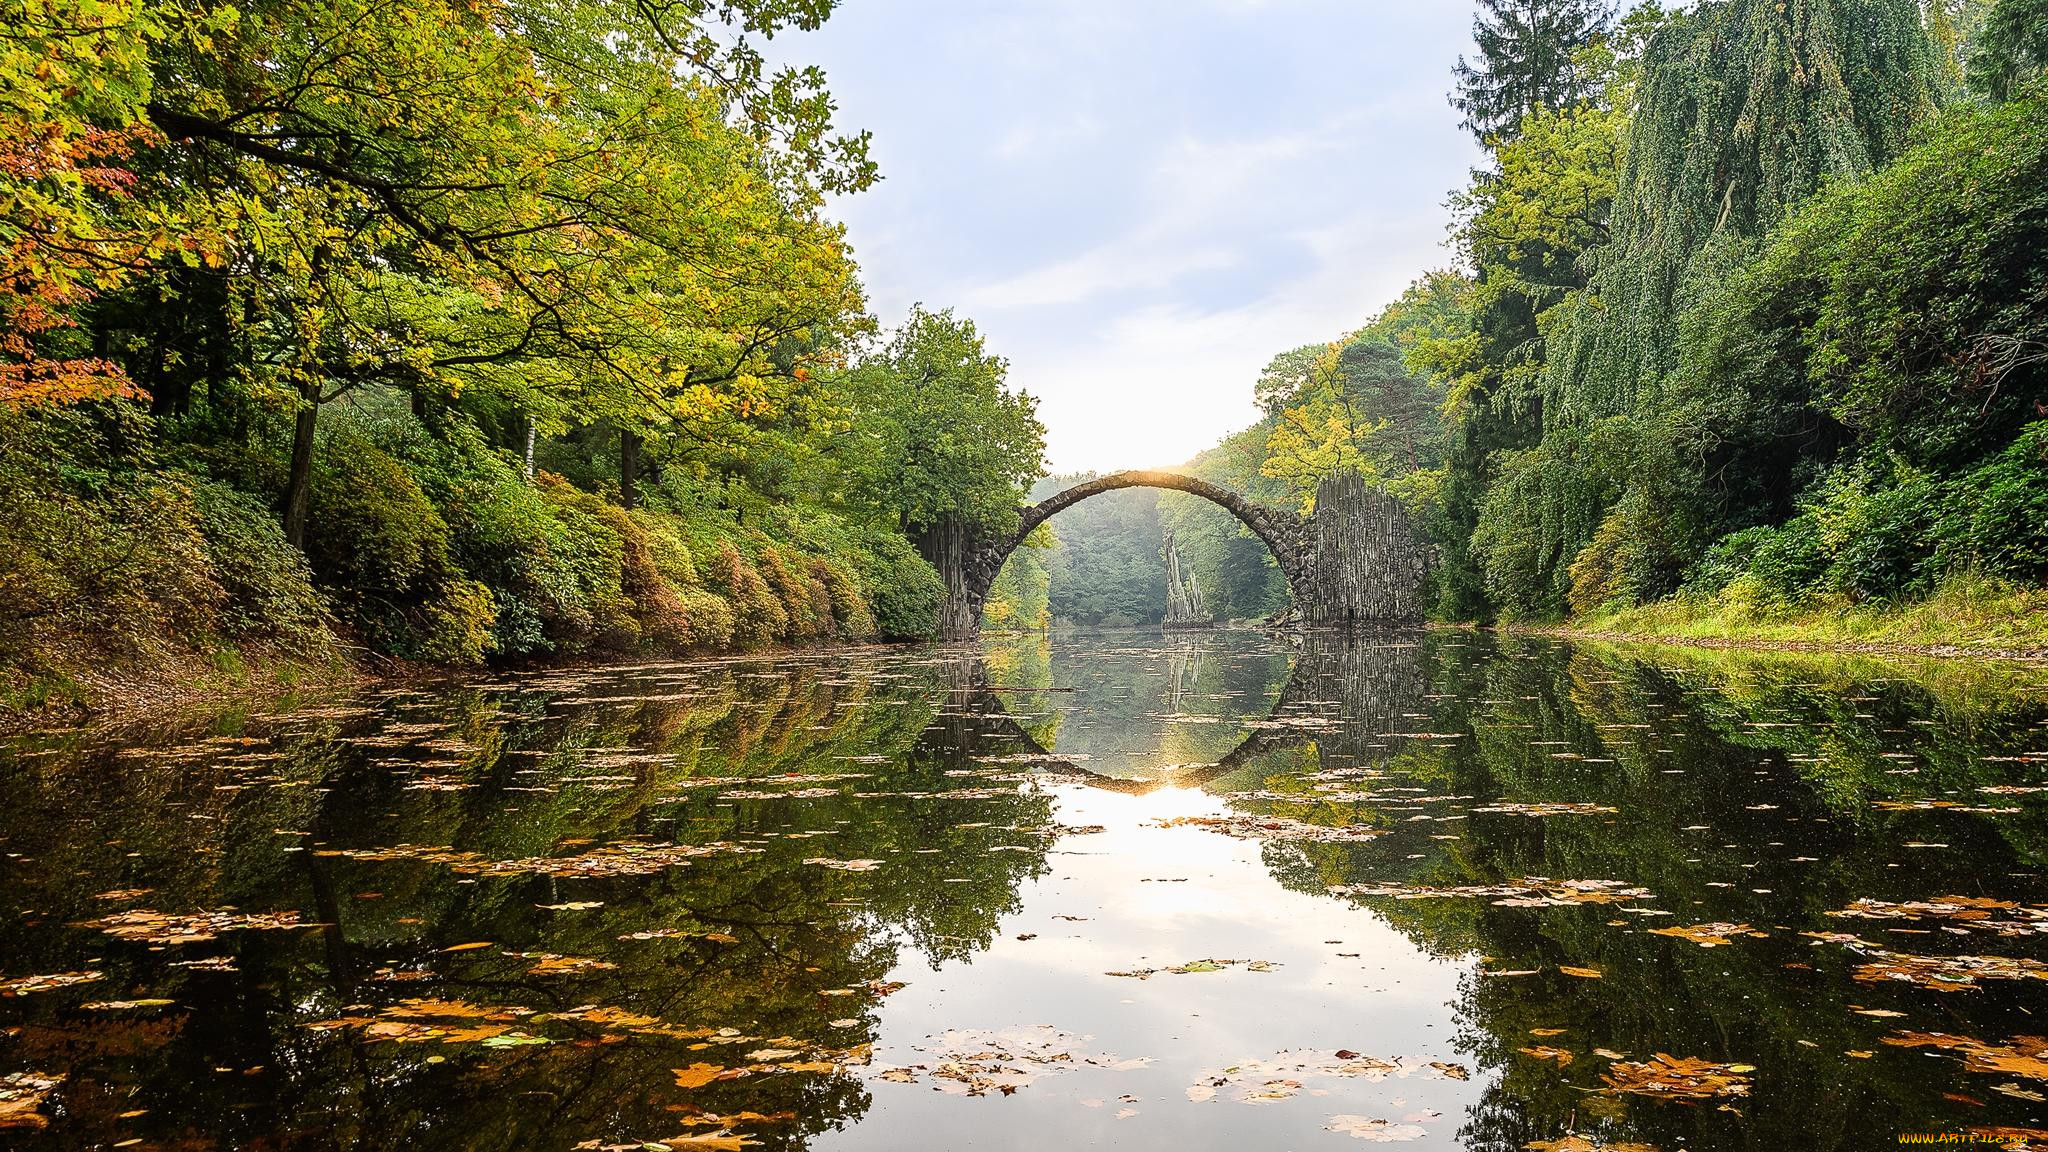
x=1746 y=108
x=1529 y=61
x=934 y=433
x=2010 y=47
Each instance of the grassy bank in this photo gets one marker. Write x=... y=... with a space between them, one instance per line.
x=1964 y=616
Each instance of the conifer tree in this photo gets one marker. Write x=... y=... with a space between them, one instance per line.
x=1528 y=61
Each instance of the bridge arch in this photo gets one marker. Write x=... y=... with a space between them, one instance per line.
x=1356 y=561
x=1284 y=533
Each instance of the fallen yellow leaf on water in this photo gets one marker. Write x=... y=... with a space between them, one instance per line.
x=1679 y=1078
x=470 y=947
x=2024 y=1056
x=713 y=1142
x=696 y=1075
x=1707 y=935
x=1586 y=973
x=1577 y=1143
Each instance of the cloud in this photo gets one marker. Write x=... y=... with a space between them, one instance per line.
x=1141 y=203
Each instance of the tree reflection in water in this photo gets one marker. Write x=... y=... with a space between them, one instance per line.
x=424 y=820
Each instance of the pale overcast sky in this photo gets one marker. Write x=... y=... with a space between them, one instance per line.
x=1141 y=201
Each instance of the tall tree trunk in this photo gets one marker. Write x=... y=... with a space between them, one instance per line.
x=629 y=468
x=299 y=485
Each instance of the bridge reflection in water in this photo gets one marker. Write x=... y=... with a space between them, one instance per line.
x=1347 y=693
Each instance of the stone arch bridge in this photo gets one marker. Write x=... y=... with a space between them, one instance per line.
x=1355 y=561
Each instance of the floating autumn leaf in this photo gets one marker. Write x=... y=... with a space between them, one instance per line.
x=1274 y=828
x=572 y=906
x=1285 y=1074
x=712 y=1142
x=2022 y=1056
x=1938 y=805
x=28 y=985
x=730 y=1119
x=469 y=947
x=1946 y=973
x=550 y=964
x=976 y=1062
x=1977 y=913
x=1198 y=966
x=1677 y=1078
x=124 y=1005
x=697 y=1075
x=845 y=865
x=1375 y=1130
x=1582 y=973
x=21 y=1098
x=1561 y=1056
x=1554 y=809
x=1577 y=1143
x=1711 y=935
x=682 y=934
x=155 y=927
x=1528 y=892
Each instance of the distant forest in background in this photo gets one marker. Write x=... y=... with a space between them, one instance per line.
x=1749 y=316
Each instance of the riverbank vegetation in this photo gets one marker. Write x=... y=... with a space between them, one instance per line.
x=1747 y=332
x=452 y=333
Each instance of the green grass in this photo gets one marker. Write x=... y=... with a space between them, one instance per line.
x=1971 y=613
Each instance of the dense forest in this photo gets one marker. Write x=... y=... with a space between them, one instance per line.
x=1749 y=318
x=451 y=332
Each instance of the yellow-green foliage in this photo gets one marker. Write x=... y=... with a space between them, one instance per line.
x=423 y=544
x=849 y=606
x=757 y=616
x=806 y=606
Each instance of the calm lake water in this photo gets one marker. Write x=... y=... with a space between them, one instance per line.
x=1445 y=890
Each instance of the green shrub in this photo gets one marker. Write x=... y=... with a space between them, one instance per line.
x=1877 y=532
x=1994 y=519
x=758 y=616
x=806 y=605
x=849 y=607
x=99 y=558
x=267 y=589
x=593 y=610
x=382 y=551
x=902 y=590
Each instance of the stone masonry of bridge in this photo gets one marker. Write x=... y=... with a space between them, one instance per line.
x=1355 y=562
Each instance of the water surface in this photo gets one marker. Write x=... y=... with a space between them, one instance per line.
x=1227 y=891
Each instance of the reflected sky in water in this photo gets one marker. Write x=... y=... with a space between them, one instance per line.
x=1442 y=890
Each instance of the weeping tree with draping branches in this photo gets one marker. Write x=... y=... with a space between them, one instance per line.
x=1745 y=109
